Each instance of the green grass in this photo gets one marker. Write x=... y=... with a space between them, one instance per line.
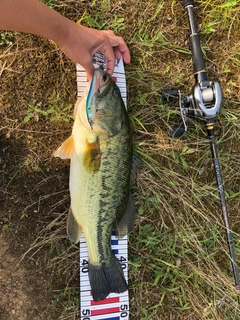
x=180 y=267
x=5 y=39
x=56 y=110
x=49 y=3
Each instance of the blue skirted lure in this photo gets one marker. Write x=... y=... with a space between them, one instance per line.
x=91 y=102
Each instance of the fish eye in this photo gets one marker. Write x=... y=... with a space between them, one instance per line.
x=115 y=92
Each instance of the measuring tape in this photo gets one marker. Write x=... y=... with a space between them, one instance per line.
x=116 y=305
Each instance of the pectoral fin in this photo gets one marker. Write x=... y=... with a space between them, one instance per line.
x=74 y=230
x=66 y=150
x=92 y=156
x=126 y=223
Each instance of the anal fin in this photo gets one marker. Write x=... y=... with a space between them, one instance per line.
x=74 y=230
x=126 y=223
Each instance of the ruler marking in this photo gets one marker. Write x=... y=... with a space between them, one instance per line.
x=108 y=300
x=104 y=311
x=103 y=317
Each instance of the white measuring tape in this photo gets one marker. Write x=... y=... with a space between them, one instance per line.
x=116 y=305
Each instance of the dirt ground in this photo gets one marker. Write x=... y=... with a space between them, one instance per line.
x=20 y=285
x=34 y=185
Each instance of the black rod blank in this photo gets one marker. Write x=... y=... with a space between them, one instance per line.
x=224 y=205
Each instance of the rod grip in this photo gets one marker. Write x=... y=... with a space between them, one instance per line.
x=197 y=55
x=187 y=3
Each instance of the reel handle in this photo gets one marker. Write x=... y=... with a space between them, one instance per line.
x=176 y=131
x=170 y=94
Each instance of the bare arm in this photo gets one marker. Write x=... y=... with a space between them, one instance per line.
x=76 y=41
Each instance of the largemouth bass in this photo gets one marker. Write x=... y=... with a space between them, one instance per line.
x=101 y=153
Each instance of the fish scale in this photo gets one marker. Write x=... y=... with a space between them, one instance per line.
x=103 y=310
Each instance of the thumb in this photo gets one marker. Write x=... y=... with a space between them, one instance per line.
x=89 y=68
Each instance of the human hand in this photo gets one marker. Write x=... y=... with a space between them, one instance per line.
x=81 y=43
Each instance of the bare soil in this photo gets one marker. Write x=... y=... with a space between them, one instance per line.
x=33 y=184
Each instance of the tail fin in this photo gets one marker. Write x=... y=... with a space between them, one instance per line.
x=106 y=278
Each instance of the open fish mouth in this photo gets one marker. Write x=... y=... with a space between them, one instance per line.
x=98 y=89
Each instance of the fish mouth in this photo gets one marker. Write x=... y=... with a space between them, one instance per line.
x=98 y=90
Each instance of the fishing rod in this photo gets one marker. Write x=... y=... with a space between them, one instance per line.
x=204 y=102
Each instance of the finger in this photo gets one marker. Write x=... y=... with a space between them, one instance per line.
x=117 y=53
x=109 y=32
x=120 y=44
x=110 y=66
x=124 y=51
x=110 y=57
x=125 y=54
